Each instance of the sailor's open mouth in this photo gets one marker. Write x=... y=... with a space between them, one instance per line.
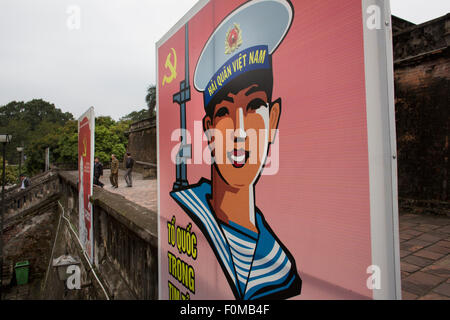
x=238 y=157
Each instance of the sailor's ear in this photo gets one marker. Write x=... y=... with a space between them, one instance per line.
x=207 y=125
x=274 y=119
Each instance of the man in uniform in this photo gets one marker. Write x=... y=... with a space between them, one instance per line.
x=234 y=73
x=114 y=177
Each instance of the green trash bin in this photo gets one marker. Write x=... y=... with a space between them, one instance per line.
x=22 y=268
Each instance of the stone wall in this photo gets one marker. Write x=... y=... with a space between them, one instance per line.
x=66 y=243
x=421 y=39
x=422 y=72
x=29 y=229
x=398 y=24
x=125 y=247
x=142 y=146
x=45 y=226
x=43 y=187
x=31 y=239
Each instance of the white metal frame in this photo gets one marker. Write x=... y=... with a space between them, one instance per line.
x=192 y=12
x=90 y=114
x=380 y=104
x=379 y=77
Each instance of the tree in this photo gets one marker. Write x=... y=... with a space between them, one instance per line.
x=29 y=121
x=150 y=99
x=38 y=125
x=110 y=138
x=136 y=116
x=11 y=173
x=63 y=143
x=33 y=112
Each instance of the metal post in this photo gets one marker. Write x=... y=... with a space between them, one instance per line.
x=20 y=163
x=182 y=97
x=1 y=219
x=20 y=151
x=47 y=159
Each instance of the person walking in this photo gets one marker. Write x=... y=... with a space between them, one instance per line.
x=129 y=166
x=114 y=177
x=98 y=172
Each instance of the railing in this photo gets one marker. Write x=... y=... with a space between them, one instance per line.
x=147 y=164
x=433 y=36
x=125 y=241
x=125 y=238
x=143 y=124
x=147 y=169
x=35 y=180
x=43 y=187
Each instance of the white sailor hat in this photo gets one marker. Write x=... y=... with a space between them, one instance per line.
x=242 y=42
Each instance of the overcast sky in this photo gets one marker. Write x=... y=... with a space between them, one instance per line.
x=109 y=61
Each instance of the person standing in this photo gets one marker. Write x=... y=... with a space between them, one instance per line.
x=114 y=177
x=98 y=172
x=25 y=182
x=129 y=166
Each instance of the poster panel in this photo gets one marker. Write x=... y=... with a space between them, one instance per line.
x=86 y=131
x=267 y=155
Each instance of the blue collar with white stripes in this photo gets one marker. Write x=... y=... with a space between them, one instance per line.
x=269 y=272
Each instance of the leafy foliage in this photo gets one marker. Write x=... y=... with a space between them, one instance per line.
x=136 y=116
x=150 y=99
x=38 y=124
x=29 y=121
x=110 y=138
x=33 y=112
x=63 y=143
x=11 y=173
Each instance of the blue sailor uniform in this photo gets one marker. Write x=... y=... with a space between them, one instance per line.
x=257 y=265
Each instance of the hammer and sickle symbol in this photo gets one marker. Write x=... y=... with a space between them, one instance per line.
x=172 y=67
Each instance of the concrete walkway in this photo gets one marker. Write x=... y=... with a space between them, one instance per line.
x=143 y=192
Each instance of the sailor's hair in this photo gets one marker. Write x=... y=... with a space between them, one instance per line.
x=262 y=77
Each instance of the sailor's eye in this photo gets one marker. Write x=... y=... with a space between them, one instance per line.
x=255 y=104
x=222 y=112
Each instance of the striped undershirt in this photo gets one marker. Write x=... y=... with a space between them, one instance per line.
x=242 y=246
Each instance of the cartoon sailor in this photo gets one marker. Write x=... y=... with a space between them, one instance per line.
x=234 y=73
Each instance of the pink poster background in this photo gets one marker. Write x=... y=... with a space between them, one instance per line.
x=318 y=202
x=85 y=152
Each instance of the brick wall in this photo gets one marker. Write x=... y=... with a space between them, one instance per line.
x=142 y=140
x=142 y=146
x=422 y=72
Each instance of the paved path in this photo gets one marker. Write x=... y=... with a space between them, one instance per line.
x=425 y=257
x=143 y=192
